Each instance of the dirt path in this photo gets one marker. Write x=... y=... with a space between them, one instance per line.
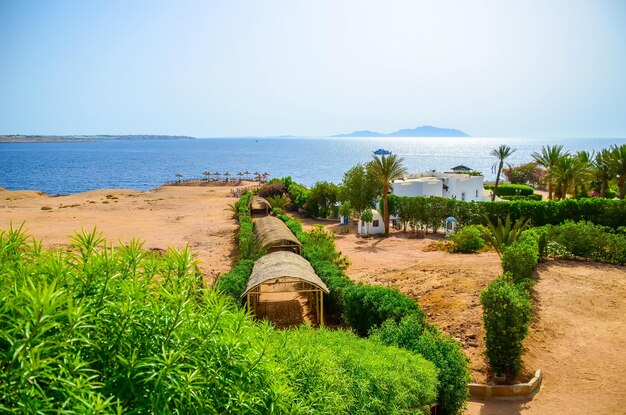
x=578 y=339
x=163 y=217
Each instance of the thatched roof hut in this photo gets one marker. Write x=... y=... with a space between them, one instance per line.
x=273 y=235
x=285 y=272
x=283 y=265
x=258 y=203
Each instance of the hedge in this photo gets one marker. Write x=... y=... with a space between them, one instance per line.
x=233 y=283
x=430 y=212
x=520 y=258
x=506 y=315
x=447 y=354
x=512 y=189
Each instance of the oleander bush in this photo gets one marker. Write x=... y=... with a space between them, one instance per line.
x=506 y=315
x=98 y=328
x=467 y=240
x=447 y=354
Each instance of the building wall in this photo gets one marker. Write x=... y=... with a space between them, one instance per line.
x=459 y=186
x=377 y=225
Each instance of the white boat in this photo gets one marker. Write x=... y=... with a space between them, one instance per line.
x=382 y=152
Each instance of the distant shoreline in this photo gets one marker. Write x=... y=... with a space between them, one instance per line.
x=85 y=138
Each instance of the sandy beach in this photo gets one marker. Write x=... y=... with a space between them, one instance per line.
x=577 y=334
x=173 y=216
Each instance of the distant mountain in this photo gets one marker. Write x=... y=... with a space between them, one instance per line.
x=63 y=138
x=423 y=131
x=362 y=133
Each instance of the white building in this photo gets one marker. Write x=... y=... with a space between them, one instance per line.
x=374 y=227
x=448 y=185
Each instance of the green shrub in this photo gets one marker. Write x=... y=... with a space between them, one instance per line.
x=540 y=234
x=368 y=306
x=586 y=240
x=414 y=334
x=512 y=189
x=520 y=258
x=467 y=239
x=506 y=316
x=234 y=282
x=337 y=372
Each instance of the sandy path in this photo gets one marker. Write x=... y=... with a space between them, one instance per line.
x=167 y=216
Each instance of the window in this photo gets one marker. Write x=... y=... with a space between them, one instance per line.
x=376 y=223
x=476 y=193
x=463 y=196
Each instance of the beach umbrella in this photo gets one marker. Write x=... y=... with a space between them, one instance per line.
x=266 y=174
x=179 y=175
x=217 y=173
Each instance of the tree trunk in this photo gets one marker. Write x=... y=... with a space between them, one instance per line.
x=549 y=188
x=495 y=188
x=385 y=210
x=620 y=185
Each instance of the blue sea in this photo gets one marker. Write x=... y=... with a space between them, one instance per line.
x=71 y=167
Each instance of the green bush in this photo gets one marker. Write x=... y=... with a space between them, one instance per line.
x=234 y=282
x=506 y=316
x=468 y=239
x=414 y=334
x=338 y=373
x=512 y=189
x=586 y=240
x=368 y=306
x=517 y=197
x=322 y=199
x=520 y=258
x=540 y=234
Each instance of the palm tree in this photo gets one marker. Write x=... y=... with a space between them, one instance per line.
x=618 y=156
x=386 y=169
x=565 y=173
x=548 y=158
x=502 y=153
x=582 y=160
x=603 y=170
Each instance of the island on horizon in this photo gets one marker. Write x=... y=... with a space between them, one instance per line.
x=423 y=131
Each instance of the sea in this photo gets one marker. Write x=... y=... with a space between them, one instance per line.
x=73 y=167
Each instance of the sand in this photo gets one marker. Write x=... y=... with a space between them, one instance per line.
x=167 y=216
x=578 y=335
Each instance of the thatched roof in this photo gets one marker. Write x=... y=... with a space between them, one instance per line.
x=283 y=264
x=258 y=202
x=272 y=232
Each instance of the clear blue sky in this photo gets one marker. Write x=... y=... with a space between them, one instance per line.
x=239 y=68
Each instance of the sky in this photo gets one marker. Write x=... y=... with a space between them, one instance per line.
x=314 y=68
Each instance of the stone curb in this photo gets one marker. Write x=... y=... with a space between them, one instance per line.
x=519 y=391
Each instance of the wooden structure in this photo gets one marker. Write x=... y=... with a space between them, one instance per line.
x=258 y=204
x=273 y=235
x=286 y=272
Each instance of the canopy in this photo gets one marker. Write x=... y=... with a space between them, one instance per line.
x=273 y=235
x=283 y=264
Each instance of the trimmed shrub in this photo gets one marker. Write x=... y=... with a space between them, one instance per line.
x=414 y=334
x=468 y=239
x=506 y=316
x=274 y=188
x=512 y=189
x=335 y=372
x=368 y=306
x=520 y=258
x=540 y=234
x=233 y=283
